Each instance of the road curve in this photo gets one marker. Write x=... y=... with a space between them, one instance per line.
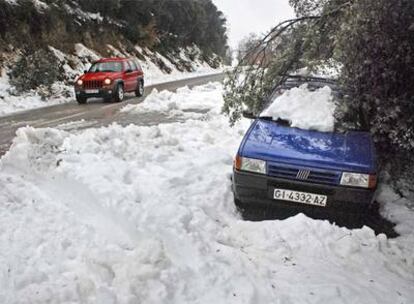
x=97 y=111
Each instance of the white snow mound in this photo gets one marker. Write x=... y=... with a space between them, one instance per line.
x=199 y=99
x=312 y=110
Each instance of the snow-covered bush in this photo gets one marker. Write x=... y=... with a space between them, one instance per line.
x=34 y=70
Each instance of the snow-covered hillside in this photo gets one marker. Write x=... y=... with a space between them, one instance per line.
x=145 y=215
x=72 y=65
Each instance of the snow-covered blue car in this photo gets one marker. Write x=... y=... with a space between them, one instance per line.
x=305 y=170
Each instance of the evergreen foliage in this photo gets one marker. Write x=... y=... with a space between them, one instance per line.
x=376 y=47
x=34 y=70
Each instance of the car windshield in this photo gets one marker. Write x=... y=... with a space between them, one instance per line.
x=110 y=66
x=315 y=113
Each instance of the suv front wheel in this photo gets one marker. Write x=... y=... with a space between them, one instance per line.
x=139 y=92
x=119 y=93
x=81 y=100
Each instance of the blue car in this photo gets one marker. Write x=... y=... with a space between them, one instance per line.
x=303 y=170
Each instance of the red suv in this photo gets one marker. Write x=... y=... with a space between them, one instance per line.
x=110 y=78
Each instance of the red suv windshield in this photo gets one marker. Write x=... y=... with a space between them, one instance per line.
x=110 y=66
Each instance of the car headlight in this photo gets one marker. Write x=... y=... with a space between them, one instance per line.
x=250 y=165
x=107 y=81
x=79 y=82
x=358 y=180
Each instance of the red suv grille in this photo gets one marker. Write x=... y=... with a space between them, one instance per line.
x=92 y=84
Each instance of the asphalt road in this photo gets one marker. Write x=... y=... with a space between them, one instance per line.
x=95 y=114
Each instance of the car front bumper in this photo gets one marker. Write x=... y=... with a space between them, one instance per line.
x=101 y=93
x=256 y=189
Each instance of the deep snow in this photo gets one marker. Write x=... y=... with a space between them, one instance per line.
x=145 y=215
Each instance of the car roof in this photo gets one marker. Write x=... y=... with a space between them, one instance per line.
x=292 y=81
x=116 y=59
x=314 y=83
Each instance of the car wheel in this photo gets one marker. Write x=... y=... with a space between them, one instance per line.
x=139 y=92
x=81 y=100
x=241 y=207
x=119 y=93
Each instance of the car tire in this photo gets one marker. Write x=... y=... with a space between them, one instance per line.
x=119 y=93
x=81 y=100
x=139 y=92
x=241 y=207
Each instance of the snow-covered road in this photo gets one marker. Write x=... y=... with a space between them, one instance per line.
x=94 y=114
x=144 y=214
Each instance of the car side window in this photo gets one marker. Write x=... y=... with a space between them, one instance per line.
x=133 y=65
x=127 y=66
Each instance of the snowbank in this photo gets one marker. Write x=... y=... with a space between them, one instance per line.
x=192 y=101
x=10 y=103
x=154 y=75
x=313 y=110
x=145 y=215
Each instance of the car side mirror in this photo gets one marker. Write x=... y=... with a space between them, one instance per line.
x=85 y=71
x=128 y=71
x=248 y=115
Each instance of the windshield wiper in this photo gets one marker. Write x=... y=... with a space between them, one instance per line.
x=268 y=118
x=280 y=121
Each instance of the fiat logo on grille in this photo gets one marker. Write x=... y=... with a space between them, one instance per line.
x=303 y=174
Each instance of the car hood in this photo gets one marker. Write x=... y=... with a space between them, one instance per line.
x=100 y=75
x=267 y=140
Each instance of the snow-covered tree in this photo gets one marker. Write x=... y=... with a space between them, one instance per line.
x=372 y=40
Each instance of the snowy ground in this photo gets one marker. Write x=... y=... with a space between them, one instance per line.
x=145 y=215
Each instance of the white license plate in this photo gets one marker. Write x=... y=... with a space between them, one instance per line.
x=300 y=197
x=91 y=91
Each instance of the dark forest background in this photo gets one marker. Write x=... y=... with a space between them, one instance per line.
x=160 y=25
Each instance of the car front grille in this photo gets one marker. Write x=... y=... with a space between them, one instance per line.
x=92 y=84
x=304 y=174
